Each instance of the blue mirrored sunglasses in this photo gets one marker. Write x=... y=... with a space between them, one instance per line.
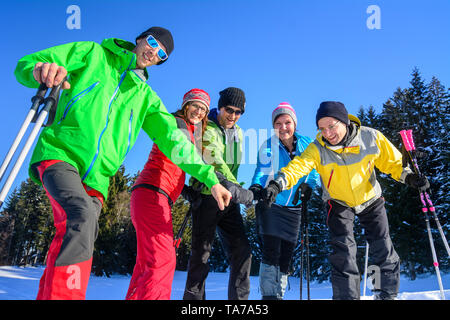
x=154 y=44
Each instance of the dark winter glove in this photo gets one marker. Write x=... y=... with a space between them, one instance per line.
x=303 y=193
x=189 y=194
x=238 y=194
x=244 y=196
x=220 y=177
x=417 y=181
x=406 y=160
x=257 y=191
x=270 y=192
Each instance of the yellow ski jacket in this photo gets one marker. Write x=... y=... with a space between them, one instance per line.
x=347 y=172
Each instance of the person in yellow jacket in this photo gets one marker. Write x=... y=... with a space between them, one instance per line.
x=345 y=155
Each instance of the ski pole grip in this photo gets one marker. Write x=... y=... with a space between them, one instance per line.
x=410 y=139
x=52 y=98
x=39 y=97
x=405 y=140
x=51 y=102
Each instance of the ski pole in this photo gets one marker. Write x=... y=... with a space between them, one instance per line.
x=304 y=240
x=433 y=210
x=302 y=244
x=36 y=102
x=427 y=204
x=366 y=262
x=408 y=143
x=197 y=187
x=307 y=250
x=49 y=102
x=177 y=240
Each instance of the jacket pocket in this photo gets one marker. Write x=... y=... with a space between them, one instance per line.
x=76 y=98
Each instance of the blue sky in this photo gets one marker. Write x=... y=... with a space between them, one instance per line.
x=303 y=52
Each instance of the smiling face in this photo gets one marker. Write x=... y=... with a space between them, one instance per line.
x=195 y=111
x=284 y=128
x=332 y=130
x=228 y=116
x=146 y=55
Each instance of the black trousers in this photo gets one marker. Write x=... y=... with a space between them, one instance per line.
x=345 y=277
x=277 y=252
x=230 y=227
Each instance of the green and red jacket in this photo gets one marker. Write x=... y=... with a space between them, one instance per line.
x=98 y=119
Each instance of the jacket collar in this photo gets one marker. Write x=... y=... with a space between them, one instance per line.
x=126 y=58
x=353 y=142
x=230 y=134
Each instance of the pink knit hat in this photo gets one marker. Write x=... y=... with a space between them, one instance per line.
x=284 y=108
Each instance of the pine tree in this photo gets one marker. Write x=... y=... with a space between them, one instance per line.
x=113 y=252
x=437 y=159
x=179 y=210
x=31 y=215
x=251 y=230
x=437 y=151
x=424 y=109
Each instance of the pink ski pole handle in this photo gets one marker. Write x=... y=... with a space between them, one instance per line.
x=424 y=205
x=405 y=140
x=410 y=139
x=430 y=204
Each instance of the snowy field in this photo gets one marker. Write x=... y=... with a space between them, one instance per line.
x=18 y=283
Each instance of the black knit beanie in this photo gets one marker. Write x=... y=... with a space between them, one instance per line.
x=162 y=35
x=232 y=97
x=333 y=109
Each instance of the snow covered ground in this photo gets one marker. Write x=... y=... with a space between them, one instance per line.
x=18 y=283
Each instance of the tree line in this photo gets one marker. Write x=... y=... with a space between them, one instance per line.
x=26 y=224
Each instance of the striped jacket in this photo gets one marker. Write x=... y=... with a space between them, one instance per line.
x=348 y=172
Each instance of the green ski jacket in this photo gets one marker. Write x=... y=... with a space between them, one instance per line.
x=98 y=119
x=222 y=149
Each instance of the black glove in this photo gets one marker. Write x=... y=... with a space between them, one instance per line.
x=244 y=196
x=270 y=192
x=417 y=181
x=303 y=193
x=220 y=176
x=238 y=194
x=257 y=191
x=189 y=194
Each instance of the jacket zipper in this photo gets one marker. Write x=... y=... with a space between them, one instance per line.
x=76 y=98
x=331 y=177
x=292 y=189
x=225 y=144
x=122 y=77
x=129 y=133
x=290 y=194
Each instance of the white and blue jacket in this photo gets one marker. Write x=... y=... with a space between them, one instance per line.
x=273 y=156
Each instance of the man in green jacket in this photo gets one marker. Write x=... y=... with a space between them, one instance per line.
x=222 y=144
x=105 y=103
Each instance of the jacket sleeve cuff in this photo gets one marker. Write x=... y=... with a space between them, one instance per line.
x=281 y=180
x=405 y=172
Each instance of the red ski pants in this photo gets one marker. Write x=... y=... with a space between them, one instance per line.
x=155 y=261
x=75 y=211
